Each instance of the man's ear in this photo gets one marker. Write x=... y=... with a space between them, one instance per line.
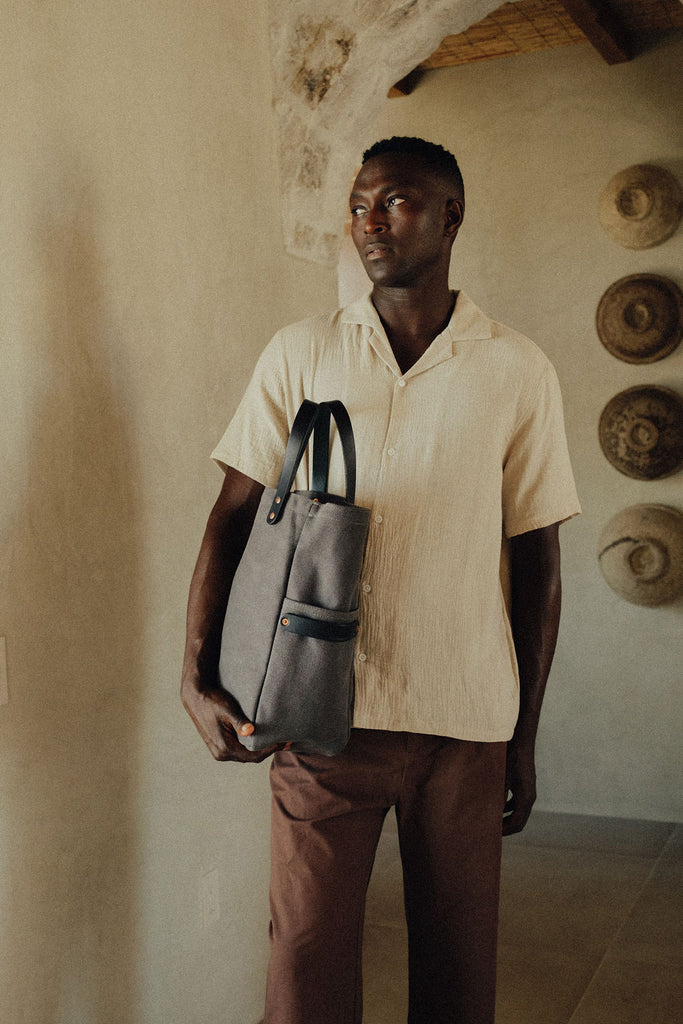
x=455 y=212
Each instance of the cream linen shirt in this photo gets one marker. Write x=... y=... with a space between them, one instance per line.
x=460 y=453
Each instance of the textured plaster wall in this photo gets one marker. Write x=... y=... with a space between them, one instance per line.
x=141 y=271
x=333 y=63
x=538 y=137
x=142 y=268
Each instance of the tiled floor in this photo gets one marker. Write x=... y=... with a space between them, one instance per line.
x=591 y=927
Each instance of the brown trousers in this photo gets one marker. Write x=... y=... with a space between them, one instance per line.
x=327 y=816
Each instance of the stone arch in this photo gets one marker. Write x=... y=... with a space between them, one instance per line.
x=333 y=62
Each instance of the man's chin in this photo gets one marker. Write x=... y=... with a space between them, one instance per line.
x=381 y=274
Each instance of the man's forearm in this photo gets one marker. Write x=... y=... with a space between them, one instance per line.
x=536 y=594
x=226 y=535
x=535 y=615
x=207 y=601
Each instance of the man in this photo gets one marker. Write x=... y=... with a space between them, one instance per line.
x=463 y=461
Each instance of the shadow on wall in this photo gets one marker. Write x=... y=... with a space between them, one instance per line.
x=75 y=629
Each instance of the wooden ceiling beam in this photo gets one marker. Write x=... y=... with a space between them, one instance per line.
x=406 y=85
x=602 y=27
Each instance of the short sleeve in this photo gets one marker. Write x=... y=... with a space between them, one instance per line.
x=255 y=440
x=538 y=483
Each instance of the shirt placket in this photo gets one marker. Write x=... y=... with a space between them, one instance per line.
x=381 y=513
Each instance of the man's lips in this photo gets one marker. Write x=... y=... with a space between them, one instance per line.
x=376 y=250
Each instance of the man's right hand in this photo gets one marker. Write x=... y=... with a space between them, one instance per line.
x=220 y=722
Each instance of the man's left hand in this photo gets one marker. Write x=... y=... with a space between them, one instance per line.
x=520 y=787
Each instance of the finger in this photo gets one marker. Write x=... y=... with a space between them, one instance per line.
x=211 y=733
x=236 y=717
x=515 y=816
x=514 y=824
x=245 y=756
x=230 y=749
x=272 y=749
x=226 y=738
x=261 y=755
x=264 y=752
x=217 y=717
x=236 y=751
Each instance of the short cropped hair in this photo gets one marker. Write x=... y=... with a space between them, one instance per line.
x=433 y=155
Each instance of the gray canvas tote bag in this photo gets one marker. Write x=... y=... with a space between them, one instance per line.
x=289 y=634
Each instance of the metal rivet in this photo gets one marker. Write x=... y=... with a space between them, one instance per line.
x=272 y=515
x=285 y=622
x=278 y=500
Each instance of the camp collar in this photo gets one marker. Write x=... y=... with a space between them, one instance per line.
x=467 y=323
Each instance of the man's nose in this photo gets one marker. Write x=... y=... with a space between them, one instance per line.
x=375 y=222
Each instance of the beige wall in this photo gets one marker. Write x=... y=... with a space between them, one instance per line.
x=538 y=137
x=141 y=270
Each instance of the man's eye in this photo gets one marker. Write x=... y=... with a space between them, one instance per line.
x=356 y=211
x=395 y=200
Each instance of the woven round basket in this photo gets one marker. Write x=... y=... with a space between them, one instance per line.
x=640 y=553
x=640 y=318
x=641 y=206
x=641 y=432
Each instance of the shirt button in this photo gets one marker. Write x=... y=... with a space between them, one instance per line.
x=401 y=383
x=362 y=657
x=391 y=451
x=379 y=518
x=366 y=588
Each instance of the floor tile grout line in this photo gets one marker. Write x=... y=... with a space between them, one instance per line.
x=582 y=846
x=671 y=839
x=619 y=929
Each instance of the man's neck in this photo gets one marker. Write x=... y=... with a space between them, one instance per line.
x=412 y=318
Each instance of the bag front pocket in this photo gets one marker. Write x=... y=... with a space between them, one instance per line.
x=307 y=693
x=320 y=629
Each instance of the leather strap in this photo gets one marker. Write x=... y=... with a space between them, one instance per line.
x=335 y=632
x=304 y=421
x=315 y=417
x=321 y=449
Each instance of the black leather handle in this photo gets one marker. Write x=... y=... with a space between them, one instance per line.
x=299 y=436
x=321 y=447
x=312 y=416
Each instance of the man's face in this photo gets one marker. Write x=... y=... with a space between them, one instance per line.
x=404 y=220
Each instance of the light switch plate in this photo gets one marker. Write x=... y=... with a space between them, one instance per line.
x=209 y=898
x=4 y=689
